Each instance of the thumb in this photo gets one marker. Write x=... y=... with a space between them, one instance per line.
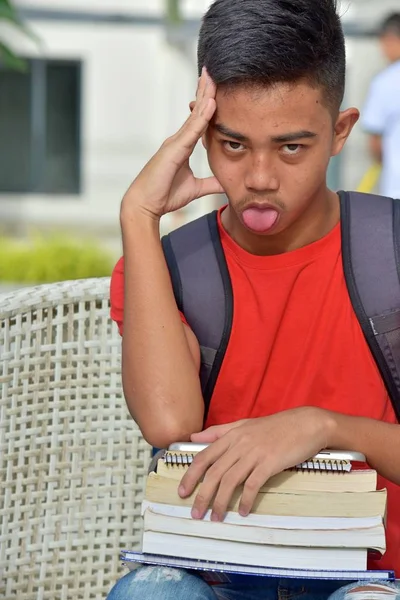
x=212 y=434
x=208 y=436
x=208 y=186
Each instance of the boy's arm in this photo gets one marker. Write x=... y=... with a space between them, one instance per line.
x=376 y=147
x=160 y=356
x=375 y=117
x=380 y=442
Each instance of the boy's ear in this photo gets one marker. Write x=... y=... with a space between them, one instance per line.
x=343 y=128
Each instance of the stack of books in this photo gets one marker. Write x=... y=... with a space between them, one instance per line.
x=325 y=515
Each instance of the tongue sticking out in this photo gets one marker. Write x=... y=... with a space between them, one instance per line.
x=260 y=220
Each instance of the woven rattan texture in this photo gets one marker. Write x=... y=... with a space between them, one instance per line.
x=72 y=461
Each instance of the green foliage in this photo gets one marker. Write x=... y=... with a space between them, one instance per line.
x=174 y=15
x=8 y=58
x=11 y=60
x=52 y=259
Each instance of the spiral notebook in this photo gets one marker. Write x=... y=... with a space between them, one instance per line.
x=333 y=461
x=215 y=572
x=327 y=472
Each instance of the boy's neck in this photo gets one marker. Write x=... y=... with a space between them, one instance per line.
x=322 y=215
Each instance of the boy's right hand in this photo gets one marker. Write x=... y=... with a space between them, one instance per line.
x=167 y=183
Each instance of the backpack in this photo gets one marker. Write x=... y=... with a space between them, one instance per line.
x=371 y=260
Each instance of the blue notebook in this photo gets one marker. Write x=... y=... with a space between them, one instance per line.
x=215 y=572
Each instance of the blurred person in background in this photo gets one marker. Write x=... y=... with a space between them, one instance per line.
x=381 y=117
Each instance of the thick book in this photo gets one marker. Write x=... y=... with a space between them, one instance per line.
x=316 y=479
x=248 y=530
x=164 y=490
x=271 y=521
x=242 y=553
x=226 y=572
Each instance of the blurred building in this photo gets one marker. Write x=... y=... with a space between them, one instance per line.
x=105 y=86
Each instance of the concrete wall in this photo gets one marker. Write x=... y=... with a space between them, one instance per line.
x=154 y=7
x=190 y=8
x=136 y=91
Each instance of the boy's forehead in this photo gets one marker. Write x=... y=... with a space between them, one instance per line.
x=270 y=107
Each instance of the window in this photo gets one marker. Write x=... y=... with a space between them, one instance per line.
x=40 y=128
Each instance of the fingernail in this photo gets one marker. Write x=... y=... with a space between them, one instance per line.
x=181 y=491
x=196 y=514
x=243 y=512
x=214 y=517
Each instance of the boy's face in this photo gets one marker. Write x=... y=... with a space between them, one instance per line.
x=272 y=146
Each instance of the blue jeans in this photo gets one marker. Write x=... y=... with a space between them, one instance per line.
x=159 y=583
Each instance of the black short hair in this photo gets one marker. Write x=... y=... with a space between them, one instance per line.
x=391 y=24
x=264 y=42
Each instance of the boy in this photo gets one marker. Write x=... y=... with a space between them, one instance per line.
x=381 y=117
x=298 y=375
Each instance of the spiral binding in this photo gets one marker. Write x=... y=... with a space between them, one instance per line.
x=332 y=466
x=184 y=459
x=178 y=459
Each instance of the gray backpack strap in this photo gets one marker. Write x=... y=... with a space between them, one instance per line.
x=203 y=292
x=371 y=259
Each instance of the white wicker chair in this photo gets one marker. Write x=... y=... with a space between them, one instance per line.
x=72 y=462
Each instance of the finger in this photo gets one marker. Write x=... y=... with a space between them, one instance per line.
x=202 y=85
x=198 y=85
x=252 y=486
x=229 y=483
x=211 y=483
x=210 y=435
x=207 y=90
x=197 y=123
x=181 y=145
x=199 y=120
x=209 y=186
x=201 y=463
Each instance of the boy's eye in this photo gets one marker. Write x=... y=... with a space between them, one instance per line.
x=233 y=146
x=292 y=148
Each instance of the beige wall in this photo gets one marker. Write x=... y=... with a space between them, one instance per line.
x=127 y=6
x=136 y=91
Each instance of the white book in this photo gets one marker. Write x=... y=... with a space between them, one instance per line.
x=241 y=553
x=271 y=521
x=371 y=537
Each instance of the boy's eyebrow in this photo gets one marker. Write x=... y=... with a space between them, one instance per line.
x=224 y=130
x=292 y=137
x=285 y=138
